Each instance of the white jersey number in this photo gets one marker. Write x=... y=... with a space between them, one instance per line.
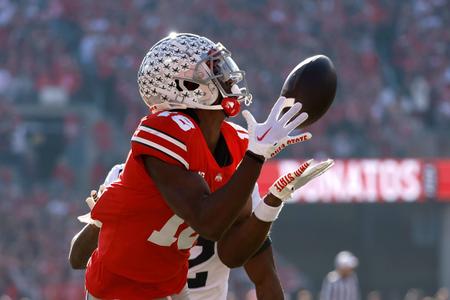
x=166 y=235
x=183 y=122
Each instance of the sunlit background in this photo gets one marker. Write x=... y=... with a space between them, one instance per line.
x=69 y=103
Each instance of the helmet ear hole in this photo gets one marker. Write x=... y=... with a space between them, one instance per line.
x=186 y=85
x=191 y=86
x=177 y=82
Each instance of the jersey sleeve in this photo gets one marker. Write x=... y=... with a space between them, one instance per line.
x=165 y=136
x=256 y=196
x=242 y=135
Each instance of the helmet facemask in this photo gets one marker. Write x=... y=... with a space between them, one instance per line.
x=224 y=72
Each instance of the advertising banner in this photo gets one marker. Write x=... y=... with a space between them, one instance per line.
x=369 y=180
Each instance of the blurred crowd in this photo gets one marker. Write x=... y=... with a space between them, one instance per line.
x=392 y=59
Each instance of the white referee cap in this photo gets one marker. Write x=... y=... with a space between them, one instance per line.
x=346 y=259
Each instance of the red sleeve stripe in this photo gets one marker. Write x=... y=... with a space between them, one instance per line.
x=162 y=149
x=163 y=136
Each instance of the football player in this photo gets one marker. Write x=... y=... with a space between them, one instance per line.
x=188 y=172
x=207 y=275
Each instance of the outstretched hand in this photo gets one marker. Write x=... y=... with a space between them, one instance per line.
x=287 y=184
x=269 y=138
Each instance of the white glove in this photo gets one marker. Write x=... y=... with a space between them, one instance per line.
x=289 y=183
x=91 y=200
x=269 y=138
x=112 y=176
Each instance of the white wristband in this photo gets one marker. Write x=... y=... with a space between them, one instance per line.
x=90 y=202
x=267 y=213
x=96 y=223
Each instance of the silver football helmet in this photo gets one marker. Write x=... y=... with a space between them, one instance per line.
x=189 y=71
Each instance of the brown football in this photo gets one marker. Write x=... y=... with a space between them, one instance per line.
x=313 y=83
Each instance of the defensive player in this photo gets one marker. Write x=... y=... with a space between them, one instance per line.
x=175 y=185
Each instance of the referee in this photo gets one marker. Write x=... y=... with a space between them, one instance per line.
x=342 y=283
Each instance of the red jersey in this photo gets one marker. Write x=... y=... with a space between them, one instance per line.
x=143 y=246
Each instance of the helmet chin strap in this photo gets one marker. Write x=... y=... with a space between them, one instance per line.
x=231 y=106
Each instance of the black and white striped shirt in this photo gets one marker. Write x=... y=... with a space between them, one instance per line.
x=336 y=287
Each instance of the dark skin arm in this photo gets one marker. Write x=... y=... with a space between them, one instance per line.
x=262 y=272
x=249 y=233
x=188 y=195
x=82 y=246
x=85 y=242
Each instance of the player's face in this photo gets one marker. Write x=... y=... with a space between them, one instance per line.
x=226 y=81
x=225 y=73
